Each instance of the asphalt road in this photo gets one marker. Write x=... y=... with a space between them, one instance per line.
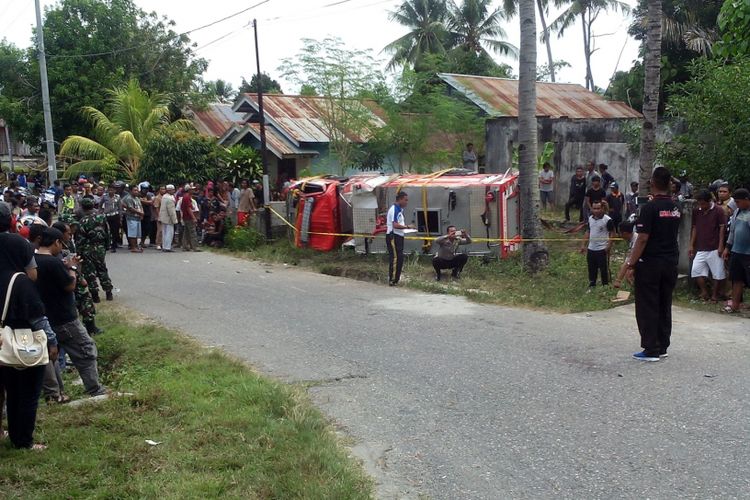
x=451 y=399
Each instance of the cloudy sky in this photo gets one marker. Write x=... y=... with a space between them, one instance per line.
x=362 y=24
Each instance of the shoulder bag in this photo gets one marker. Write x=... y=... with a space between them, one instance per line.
x=21 y=347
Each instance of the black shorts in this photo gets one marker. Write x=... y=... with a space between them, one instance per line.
x=739 y=268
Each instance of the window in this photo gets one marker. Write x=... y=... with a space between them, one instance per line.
x=432 y=225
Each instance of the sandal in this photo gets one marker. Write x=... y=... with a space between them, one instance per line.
x=38 y=447
x=729 y=310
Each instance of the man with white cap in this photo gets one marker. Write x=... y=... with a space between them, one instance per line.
x=167 y=218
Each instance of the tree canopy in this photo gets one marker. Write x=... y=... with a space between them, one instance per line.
x=93 y=45
x=458 y=35
x=712 y=107
x=119 y=135
x=268 y=85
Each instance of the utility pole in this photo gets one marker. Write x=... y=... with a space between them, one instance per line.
x=49 y=139
x=10 y=146
x=263 y=150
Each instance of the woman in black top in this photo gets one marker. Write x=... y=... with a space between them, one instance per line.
x=25 y=310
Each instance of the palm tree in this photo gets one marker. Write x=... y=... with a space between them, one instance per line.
x=118 y=140
x=651 y=88
x=535 y=255
x=542 y=6
x=472 y=27
x=427 y=33
x=587 y=11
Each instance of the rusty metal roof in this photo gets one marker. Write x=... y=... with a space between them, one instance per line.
x=499 y=97
x=215 y=120
x=277 y=143
x=301 y=118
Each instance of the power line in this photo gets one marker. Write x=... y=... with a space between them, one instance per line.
x=126 y=49
x=316 y=13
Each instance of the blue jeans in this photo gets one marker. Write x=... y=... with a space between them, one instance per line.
x=546 y=197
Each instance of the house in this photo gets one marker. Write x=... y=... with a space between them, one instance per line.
x=582 y=125
x=297 y=135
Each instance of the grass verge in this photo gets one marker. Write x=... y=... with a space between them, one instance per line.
x=224 y=430
x=562 y=287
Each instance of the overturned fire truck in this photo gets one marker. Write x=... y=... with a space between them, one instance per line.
x=331 y=211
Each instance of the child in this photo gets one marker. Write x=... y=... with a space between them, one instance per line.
x=599 y=240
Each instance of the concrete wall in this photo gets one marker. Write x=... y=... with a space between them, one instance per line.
x=576 y=143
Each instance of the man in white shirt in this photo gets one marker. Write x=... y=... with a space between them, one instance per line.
x=394 y=237
x=546 y=179
x=597 y=243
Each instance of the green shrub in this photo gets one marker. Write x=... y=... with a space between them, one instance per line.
x=244 y=238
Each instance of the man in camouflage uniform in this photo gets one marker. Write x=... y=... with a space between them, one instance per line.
x=93 y=241
x=84 y=302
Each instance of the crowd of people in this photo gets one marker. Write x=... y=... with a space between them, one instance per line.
x=53 y=247
x=52 y=268
x=145 y=216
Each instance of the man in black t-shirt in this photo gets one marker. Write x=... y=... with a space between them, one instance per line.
x=615 y=202
x=594 y=194
x=576 y=194
x=653 y=262
x=56 y=284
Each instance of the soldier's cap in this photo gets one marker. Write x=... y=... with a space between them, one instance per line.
x=87 y=203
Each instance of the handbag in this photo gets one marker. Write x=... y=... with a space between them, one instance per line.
x=21 y=347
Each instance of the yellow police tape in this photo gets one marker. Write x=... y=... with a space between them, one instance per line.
x=517 y=239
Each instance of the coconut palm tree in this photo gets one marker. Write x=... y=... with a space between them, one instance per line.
x=473 y=26
x=535 y=254
x=652 y=83
x=542 y=8
x=587 y=11
x=427 y=31
x=118 y=139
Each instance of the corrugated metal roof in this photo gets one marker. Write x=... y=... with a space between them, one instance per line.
x=499 y=97
x=301 y=118
x=278 y=144
x=215 y=120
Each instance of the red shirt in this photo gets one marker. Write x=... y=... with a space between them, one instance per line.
x=707 y=224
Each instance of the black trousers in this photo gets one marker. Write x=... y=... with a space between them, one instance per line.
x=654 y=283
x=22 y=388
x=113 y=221
x=597 y=262
x=574 y=203
x=395 y=245
x=457 y=263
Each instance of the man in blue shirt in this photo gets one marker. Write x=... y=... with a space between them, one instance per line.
x=394 y=237
x=737 y=250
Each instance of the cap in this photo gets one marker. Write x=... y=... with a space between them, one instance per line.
x=614 y=185
x=144 y=185
x=256 y=181
x=87 y=203
x=170 y=186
